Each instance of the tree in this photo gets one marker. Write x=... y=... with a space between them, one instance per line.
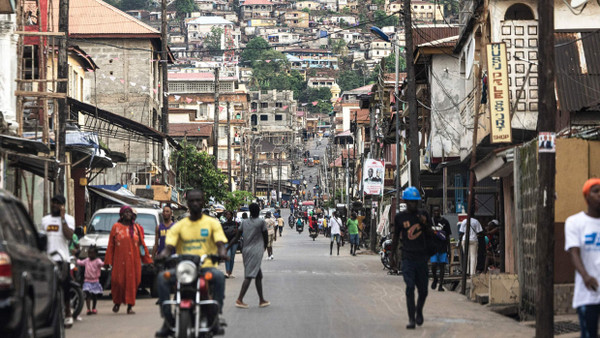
x=126 y=5
x=338 y=46
x=196 y=170
x=348 y=80
x=390 y=63
x=213 y=41
x=253 y=50
x=183 y=8
x=235 y=200
x=381 y=19
x=321 y=95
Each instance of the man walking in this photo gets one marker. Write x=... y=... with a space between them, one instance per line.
x=352 y=225
x=59 y=228
x=411 y=228
x=476 y=229
x=335 y=225
x=272 y=234
x=280 y=223
x=442 y=231
x=582 y=235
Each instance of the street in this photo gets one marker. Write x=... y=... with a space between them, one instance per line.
x=317 y=295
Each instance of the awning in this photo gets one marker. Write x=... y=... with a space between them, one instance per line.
x=23 y=145
x=121 y=198
x=496 y=164
x=130 y=128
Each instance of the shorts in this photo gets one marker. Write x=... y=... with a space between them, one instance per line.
x=335 y=237
x=270 y=241
x=354 y=239
x=440 y=258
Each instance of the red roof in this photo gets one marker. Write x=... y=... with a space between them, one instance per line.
x=205 y=76
x=192 y=129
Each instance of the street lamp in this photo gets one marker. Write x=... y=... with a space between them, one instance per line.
x=380 y=34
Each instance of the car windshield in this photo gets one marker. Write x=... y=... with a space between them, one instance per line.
x=103 y=222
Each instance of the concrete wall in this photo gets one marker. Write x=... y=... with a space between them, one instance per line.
x=126 y=80
x=8 y=64
x=446 y=92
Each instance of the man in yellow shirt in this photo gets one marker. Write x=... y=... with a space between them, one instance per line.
x=197 y=234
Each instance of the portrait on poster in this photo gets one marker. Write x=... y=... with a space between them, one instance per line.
x=547 y=142
x=373 y=176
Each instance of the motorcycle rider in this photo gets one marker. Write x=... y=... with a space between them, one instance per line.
x=197 y=234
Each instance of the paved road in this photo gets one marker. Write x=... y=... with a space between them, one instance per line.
x=317 y=295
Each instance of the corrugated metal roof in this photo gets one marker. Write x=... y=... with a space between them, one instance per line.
x=209 y=20
x=96 y=17
x=190 y=129
x=577 y=56
x=204 y=76
x=256 y=2
x=423 y=35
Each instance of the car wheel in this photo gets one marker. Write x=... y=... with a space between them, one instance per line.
x=58 y=319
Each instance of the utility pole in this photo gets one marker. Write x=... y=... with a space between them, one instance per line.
x=216 y=124
x=63 y=108
x=544 y=256
x=229 y=145
x=253 y=166
x=411 y=95
x=165 y=70
x=243 y=160
x=397 y=130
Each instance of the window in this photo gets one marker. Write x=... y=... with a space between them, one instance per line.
x=222 y=155
x=264 y=104
x=278 y=104
x=278 y=117
x=264 y=117
x=202 y=111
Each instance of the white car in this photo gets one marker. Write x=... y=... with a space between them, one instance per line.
x=98 y=232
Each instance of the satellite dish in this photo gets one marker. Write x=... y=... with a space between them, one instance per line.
x=578 y=3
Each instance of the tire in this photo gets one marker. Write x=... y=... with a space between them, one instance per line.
x=76 y=300
x=185 y=323
x=385 y=260
x=58 y=318
x=27 y=325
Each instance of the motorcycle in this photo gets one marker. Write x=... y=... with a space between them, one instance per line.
x=291 y=221
x=196 y=314
x=313 y=233
x=299 y=227
x=386 y=252
x=76 y=297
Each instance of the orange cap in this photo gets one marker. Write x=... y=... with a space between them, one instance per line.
x=589 y=184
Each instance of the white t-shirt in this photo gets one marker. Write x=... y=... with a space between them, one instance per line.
x=475 y=229
x=56 y=240
x=335 y=226
x=583 y=232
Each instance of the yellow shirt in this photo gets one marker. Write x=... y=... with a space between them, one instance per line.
x=280 y=222
x=197 y=238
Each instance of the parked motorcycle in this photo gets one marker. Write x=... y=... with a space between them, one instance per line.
x=196 y=313
x=386 y=252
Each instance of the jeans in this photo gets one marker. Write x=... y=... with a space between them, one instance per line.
x=588 y=320
x=415 y=274
x=165 y=285
x=231 y=254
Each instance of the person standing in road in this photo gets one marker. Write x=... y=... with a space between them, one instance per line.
x=256 y=239
x=272 y=234
x=476 y=229
x=280 y=223
x=335 y=225
x=124 y=253
x=161 y=230
x=91 y=283
x=582 y=235
x=230 y=228
x=352 y=225
x=442 y=231
x=412 y=228
x=59 y=228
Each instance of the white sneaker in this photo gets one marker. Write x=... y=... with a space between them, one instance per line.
x=271 y=258
x=69 y=321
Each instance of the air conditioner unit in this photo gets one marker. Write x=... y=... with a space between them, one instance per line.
x=578 y=3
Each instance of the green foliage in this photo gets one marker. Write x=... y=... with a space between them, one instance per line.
x=183 y=7
x=213 y=41
x=253 y=50
x=346 y=11
x=306 y=10
x=381 y=19
x=235 y=200
x=379 y=2
x=390 y=63
x=126 y=5
x=338 y=46
x=321 y=95
x=349 y=79
x=196 y=170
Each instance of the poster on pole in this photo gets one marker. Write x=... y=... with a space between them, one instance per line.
x=499 y=93
x=373 y=177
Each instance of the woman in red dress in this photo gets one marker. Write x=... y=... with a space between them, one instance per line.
x=125 y=252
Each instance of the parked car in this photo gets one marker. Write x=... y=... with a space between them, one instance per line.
x=310 y=162
x=98 y=231
x=316 y=159
x=30 y=291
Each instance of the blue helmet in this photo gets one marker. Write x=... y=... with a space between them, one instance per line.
x=411 y=194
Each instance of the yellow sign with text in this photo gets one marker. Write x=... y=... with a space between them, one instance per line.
x=499 y=93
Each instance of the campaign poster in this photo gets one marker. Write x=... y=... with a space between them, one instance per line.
x=373 y=176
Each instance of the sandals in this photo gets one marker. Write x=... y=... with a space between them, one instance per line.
x=241 y=305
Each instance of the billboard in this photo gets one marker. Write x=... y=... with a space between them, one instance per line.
x=373 y=174
x=498 y=93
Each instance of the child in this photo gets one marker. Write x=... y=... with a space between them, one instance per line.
x=91 y=283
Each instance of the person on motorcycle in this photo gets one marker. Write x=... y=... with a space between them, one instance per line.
x=197 y=234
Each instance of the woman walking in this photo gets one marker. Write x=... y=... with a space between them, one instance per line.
x=230 y=228
x=255 y=243
x=125 y=246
